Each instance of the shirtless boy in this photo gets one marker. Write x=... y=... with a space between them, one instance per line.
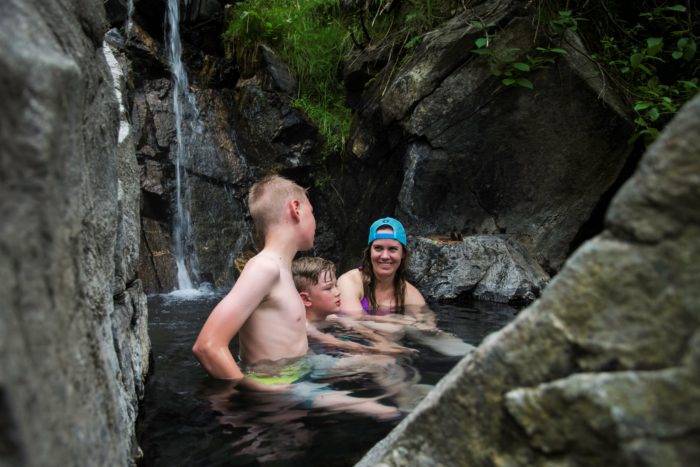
x=263 y=307
x=316 y=283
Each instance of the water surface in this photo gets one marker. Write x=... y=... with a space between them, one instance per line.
x=188 y=418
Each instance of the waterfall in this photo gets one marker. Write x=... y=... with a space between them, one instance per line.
x=129 y=18
x=185 y=111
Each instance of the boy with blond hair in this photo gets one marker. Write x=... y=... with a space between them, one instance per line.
x=263 y=307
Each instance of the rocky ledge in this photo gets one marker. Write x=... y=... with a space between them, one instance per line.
x=486 y=267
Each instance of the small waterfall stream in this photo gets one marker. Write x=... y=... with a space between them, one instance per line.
x=185 y=110
x=129 y=18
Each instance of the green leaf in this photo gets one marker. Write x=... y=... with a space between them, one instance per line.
x=642 y=105
x=508 y=81
x=526 y=83
x=521 y=66
x=481 y=42
x=414 y=41
x=677 y=54
x=680 y=8
x=645 y=70
x=690 y=50
x=565 y=13
x=653 y=114
x=482 y=51
x=559 y=51
x=654 y=45
x=636 y=60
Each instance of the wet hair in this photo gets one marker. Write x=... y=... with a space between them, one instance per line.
x=369 y=281
x=307 y=270
x=266 y=200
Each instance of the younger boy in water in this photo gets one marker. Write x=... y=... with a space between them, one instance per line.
x=263 y=307
x=316 y=282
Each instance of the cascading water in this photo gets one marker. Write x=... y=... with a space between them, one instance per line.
x=129 y=18
x=185 y=111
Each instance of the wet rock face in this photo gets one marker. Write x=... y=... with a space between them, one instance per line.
x=73 y=341
x=486 y=267
x=240 y=134
x=604 y=368
x=490 y=159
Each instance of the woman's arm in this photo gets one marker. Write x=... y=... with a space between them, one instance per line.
x=417 y=308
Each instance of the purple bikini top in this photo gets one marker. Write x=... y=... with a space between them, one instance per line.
x=367 y=307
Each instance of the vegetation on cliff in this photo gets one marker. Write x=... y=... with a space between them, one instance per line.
x=314 y=38
x=647 y=50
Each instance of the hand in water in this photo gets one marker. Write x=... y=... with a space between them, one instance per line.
x=393 y=349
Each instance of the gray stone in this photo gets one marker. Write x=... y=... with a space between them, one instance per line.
x=271 y=133
x=279 y=74
x=221 y=229
x=486 y=267
x=604 y=368
x=68 y=388
x=157 y=268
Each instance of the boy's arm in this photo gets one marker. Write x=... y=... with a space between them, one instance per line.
x=227 y=318
x=331 y=340
x=379 y=344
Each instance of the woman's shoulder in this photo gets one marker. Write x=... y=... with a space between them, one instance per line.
x=413 y=295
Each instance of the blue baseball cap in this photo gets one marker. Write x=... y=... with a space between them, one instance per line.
x=398 y=234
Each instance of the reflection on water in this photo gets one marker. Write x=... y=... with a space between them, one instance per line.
x=190 y=419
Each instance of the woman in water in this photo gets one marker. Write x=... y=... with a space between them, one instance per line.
x=378 y=296
x=379 y=287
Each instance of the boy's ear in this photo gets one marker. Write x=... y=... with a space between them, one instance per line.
x=305 y=299
x=295 y=209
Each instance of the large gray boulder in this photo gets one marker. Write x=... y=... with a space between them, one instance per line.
x=73 y=341
x=604 y=368
x=486 y=267
x=480 y=157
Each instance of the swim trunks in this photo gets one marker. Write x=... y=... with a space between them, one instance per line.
x=296 y=374
x=288 y=374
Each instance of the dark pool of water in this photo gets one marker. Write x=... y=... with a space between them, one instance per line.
x=185 y=419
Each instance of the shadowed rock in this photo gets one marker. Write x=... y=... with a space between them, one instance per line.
x=604 y=368
x=480 y=157
x=73 y=341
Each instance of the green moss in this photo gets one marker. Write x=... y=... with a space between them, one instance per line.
x=311 y=36
x=314 y=36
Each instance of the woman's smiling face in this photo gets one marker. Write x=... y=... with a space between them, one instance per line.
x=386 y=255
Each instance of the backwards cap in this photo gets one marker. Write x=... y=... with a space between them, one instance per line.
x=398 y=233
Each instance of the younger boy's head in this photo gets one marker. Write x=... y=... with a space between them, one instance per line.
x=315 y=280
x=276 y=201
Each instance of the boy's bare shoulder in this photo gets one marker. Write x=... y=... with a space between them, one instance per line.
x=262 y=264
